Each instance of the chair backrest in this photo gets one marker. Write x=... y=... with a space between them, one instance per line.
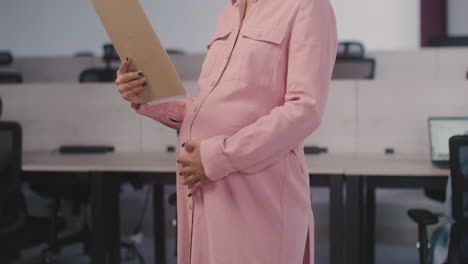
x=354 y=68
x=458 y=247
x=458 y=146
x=12 y=208
x=10 y=77
x=5 y=58
x=98 y=75
x=350 y=49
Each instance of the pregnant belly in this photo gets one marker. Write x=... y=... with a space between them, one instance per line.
x=228 y=109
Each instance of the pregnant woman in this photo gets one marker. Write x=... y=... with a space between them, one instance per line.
x=243 y=194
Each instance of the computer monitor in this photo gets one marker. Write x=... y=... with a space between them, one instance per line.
x=440 y=130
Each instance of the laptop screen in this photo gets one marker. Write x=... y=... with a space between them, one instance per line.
x=440 y=130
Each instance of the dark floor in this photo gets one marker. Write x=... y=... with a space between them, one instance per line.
x=386 y=254
x=392 y=246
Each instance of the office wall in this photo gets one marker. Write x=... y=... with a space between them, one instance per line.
x=457 y=19
x=63 y=27
x=380 y=24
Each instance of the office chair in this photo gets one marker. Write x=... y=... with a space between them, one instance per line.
x=107 y=74
x=455 y=234
x=10 y=77
x=351 y=62
x=6 y=58
x=175 y=52
x=18 y=230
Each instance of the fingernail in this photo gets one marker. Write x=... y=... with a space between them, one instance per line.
x=189 y=195
x=140 y=74
x=126 y=59
x=144 y=84
x=183 y=144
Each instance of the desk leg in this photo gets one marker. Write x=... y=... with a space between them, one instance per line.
x=336 y=220
x=158 y=220
x=368 y=227
x=105 y=219
x=353 y=218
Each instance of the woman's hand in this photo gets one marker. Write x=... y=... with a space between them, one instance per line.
x=130 y=83
x=192 y=167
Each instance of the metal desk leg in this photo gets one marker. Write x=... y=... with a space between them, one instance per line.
x=158 y=220
x=368 y=223
x=105 y=222
x=353 y=219
x=337 y=254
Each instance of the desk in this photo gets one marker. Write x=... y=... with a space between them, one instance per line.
x=159 y=169
x=364 y=175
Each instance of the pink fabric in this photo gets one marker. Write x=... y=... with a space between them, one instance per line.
x=262 y=90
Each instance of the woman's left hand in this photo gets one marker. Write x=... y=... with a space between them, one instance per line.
x=192 y=167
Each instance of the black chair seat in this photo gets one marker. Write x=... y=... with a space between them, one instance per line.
x=423 y=217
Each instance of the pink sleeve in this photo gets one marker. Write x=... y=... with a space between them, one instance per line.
x=170 y=114
x=312 y=53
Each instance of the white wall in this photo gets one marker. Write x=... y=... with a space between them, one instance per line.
x=380 y=24
x=63 y=27
x=457 y=21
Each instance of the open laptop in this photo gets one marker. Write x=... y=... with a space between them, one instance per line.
x=440 y=130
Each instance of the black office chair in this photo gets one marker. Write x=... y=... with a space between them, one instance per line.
x=107 y=74
x=98 y=75
x=10 y=77
x=18 y=230
x=175 y=52
x=458 y=239
x=6 y=58
x=351 y=62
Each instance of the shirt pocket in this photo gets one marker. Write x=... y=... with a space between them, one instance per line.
x=214 y=47
x=258 y=50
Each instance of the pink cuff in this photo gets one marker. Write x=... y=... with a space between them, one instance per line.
x=135 y=107
x=215 y=162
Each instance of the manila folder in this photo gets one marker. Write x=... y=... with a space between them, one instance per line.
x=133 y=36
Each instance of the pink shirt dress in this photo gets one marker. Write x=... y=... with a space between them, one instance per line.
x=262 y=90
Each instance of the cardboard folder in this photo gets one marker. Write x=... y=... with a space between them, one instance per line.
x=132 y=35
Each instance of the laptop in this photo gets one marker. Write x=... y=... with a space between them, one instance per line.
x=440 y=130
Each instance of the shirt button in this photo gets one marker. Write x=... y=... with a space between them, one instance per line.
x=213 y=83
x=258 y=34
x=195 y=109
x=190 y=206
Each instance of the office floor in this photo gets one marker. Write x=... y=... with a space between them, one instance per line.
x=391 y=248
x=386 y=254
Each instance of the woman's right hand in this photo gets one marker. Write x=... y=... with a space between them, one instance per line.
x=130 y=83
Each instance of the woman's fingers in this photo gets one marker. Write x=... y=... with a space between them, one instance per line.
x=132 y=84
x=196 y=188
x=123 y=68
x=192 y=179
x=128 y=95
x=128 y=77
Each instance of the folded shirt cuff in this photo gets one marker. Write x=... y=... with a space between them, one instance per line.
x=215 y=162
x=135 y=107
